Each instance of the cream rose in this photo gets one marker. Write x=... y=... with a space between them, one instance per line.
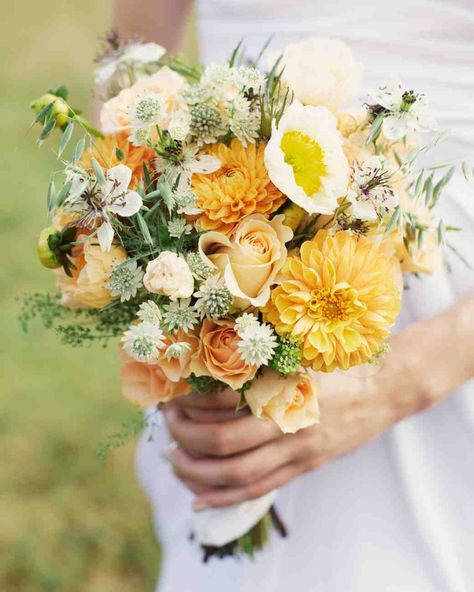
x=168 y=85
x=169 y=274
x=290 y=402
x=250 y=258
x=218 y=355
x=321 y=71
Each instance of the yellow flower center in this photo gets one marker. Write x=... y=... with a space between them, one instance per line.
x=306 y=158
x=335 y=305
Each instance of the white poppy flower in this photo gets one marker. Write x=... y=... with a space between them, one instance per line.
x=305 y=160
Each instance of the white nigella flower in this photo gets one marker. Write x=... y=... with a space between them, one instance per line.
x=135 y=54
x=370 y=194
x=246 y=323
x=185 y=202
x=244 y=122
x=179 y=125
x=176 y=350
x=148 y=110
x=180 y=315
x=99 y=200
x=257 y=345
x=213 y=298
x=178 y=226
x=150 y=312
x=405 y=111
x=139 y=136
x=143 y=342
x=125 y=279
x=190 y=162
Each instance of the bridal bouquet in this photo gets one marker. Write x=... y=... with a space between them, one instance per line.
x=237 y=226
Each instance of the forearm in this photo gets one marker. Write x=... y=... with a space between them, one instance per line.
x=430 y=359
x=162 y=21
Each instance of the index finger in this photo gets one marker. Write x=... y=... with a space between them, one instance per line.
x=226 y=399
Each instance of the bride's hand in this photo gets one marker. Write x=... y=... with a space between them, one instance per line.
x=226 y=459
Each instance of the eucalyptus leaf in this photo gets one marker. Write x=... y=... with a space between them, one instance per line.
x=67 y=134
x=166 y=193
x=47 y=129
x=51 y=196
x=44 y=113
x=375 y=129
x=98 y=172
x=63 y=193
x=144 y=229
x=394 y=218
x=78 y=150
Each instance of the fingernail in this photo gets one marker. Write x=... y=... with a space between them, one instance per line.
x=200 y=505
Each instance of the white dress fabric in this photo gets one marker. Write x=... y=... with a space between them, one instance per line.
x=398 y=514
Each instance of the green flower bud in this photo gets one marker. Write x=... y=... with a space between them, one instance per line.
x=60 y=109
x=287 y=357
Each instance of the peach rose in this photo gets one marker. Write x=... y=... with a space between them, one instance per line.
x=147 y=385
x=290 y=402
x=169 y=274
x=176 y=368
x=218 y=357
x=114 y=116
x=250 y=258
x=87 y=288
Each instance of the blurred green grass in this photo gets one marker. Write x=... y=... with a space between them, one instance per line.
x=67 y=520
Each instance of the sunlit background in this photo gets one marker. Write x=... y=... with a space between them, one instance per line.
x=67 y=520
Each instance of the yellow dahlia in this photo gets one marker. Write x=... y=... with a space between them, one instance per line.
x=105 y=152
x=339 y=297
x=240 y=187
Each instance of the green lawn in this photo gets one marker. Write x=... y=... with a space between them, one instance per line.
x=68 y=522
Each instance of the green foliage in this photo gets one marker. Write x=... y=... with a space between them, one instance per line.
x=287 y=357
x=205 y=384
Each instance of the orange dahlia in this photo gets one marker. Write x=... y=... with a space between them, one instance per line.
x=240 y=187
x=105 y=152
x=339 y=298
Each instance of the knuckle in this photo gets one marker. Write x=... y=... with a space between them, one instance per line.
x=219 y=441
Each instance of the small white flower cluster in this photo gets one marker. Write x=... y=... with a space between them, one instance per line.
x=213 y=298
x=144 y=341
x=258 y=340
x=223 y=101
x=125 y=279
x=180 y=315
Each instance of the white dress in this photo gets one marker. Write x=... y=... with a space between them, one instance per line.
x=398 y=514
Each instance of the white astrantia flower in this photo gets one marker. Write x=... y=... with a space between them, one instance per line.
x=125 y=279
x=150 y=312
x=100 y=199
x=135 y=54
x=244 y=121
x=180 y=315
x=247 y=77
x=179 y=125
x=208 y=123
x=149 y=110
x=191 y=162
x=196 y=94
x=213 y=299
x=257 y=345
x=370 y=193
x=247 y=322
x=178 y=226
x=403 y=110
x=143 y=342
x=305 y=159
x=185 y=202
x=176 y=350
x=219 y=81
